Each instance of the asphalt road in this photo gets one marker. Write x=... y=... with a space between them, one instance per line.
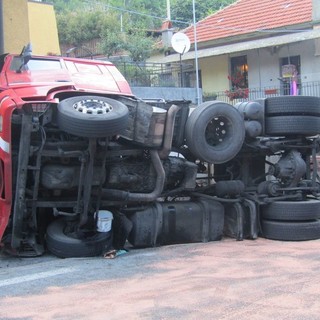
x=260 y=279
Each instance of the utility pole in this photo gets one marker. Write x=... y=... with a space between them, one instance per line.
x=168 y=11
x=196 y=50
x=1 y=29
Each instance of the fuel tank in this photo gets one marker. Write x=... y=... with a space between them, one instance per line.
x=173 y=222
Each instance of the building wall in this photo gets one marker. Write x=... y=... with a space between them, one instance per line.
x=264 y=66
x=214 y=74
x=43 y=28
x=29 y=21
x=15 y=25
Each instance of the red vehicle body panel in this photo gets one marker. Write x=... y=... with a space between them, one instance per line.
x=40 y=81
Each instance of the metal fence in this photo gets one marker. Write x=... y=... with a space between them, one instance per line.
x=143 y=74
x=305 y=89
x=176 y=75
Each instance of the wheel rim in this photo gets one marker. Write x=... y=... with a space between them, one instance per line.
x=218 y=131
x=92 y=106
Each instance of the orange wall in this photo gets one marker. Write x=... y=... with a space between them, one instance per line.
x=15 y=25
x=43 y=28
x=29 y=21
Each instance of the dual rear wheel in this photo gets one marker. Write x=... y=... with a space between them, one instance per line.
x=291 y=220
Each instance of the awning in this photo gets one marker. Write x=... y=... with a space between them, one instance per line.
x=245 y=46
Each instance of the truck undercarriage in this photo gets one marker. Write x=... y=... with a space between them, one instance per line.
x=156 y=196
x=86 y=170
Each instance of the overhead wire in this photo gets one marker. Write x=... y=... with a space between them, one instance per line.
x=190 y=24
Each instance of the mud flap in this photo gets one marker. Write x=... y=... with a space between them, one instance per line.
x=241 y=220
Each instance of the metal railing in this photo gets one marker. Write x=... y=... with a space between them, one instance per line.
x=143 y=74
x=305 y=89
x=147 y=74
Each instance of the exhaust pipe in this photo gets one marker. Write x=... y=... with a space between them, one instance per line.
x=143 y=197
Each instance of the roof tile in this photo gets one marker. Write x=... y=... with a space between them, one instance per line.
x=248 y=16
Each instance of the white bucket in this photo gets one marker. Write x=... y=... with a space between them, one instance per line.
x=104 y=220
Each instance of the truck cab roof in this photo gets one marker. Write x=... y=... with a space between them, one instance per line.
x=42 y=74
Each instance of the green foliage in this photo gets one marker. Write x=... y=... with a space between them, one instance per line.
x=209 y=96
x=138 y=76
x=121 y=25
x=80 y=26
x=77 y=27
x=182 y=10
x=61 y=6
x=111 y=42
x=133 y=11
x=138 y=45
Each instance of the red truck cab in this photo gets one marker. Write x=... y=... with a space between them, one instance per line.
x=41 y=82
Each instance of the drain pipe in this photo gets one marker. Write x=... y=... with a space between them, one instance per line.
x=1 y=28
x=145 y=197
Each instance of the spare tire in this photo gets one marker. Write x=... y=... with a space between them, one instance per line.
x=291 y=230
x=92 y=116
x=215 y=132
x=65 y=245
x=292 y=125
x=292 y=105
x=291 y=210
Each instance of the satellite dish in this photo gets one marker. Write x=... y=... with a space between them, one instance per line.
x=180 y=42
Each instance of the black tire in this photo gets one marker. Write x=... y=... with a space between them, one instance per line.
x=64 y=246
x=291 y=210
x=292 y=125
x=92 y=116
x=291 y=231
x=215 y=132
x=292 y=105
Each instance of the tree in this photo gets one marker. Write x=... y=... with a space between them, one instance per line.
x=138 y=45
x=80 y=26
x=66 y=5
x=114 y=21
x=111 y=42
x=182 y=10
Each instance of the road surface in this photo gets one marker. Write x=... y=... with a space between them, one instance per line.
x=228 y=279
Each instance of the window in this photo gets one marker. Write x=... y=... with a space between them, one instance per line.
x=239 y=72
x=290 y=75
x=294 y=60
x=238 y=78
x=35 y=64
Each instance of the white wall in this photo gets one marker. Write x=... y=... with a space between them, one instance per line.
x=264 y=64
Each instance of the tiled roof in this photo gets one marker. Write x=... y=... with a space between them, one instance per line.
x=248 y=16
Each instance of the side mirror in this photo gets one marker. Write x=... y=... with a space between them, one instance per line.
x=25 y=56
x=26 y=53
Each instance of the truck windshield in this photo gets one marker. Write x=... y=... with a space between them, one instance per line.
x=35 y=64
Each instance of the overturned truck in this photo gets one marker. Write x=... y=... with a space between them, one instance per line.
x=86 y=167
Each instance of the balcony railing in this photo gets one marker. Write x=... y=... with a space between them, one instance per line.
x=305 y=89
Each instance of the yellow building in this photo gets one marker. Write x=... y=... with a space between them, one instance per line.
x=23 y=21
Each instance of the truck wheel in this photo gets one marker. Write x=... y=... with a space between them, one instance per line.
x=292 y=105
x=292 y=125
x=290 y=231
x=63 y=245
x=92 y=116
x=291 y=210
x=215 y=132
